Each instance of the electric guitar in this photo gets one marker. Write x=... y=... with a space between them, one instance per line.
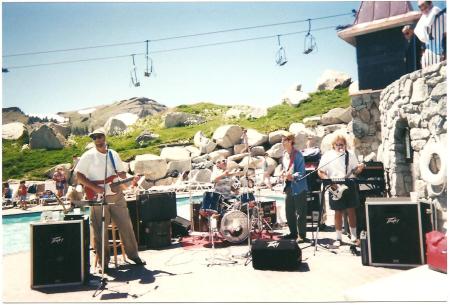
x=337 y=190
x=111 y=187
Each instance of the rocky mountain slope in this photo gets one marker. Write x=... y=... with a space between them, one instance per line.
x=12 y=115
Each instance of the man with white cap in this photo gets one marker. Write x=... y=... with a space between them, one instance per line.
x=423 y=31
x=91 y=174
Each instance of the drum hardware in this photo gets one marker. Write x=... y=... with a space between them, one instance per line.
x=210 y=208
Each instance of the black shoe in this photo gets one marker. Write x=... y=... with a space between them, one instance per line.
x=289 y=236
x=138 y=261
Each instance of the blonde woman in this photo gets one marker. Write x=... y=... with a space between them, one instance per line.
x=345 y=165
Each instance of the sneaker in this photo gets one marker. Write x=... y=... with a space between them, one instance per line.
x=355 y=241
x=337 y=243
x=138 y=261
x=300 y=240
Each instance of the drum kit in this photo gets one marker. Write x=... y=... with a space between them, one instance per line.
x=229 y=217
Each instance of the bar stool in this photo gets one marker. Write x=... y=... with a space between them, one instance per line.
x=114 y=243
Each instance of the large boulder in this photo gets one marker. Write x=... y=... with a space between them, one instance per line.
x=257 y=113
x=239 y=148
x=275 y=136
x=45 y=137
x=232 y=165
x=251 y=162
x=219 y=154
x=177 y=119
x=201 y=175
x=203 y=143
x=271 y=165
x=13 y=131
x=227 y=135
x=194 y=151
x=256 y=138
x=336 y=116
x=152 y=166
x=114 y=127
x=180 y=166
x=175 y=153
x=165 y=181
x=246 y=111
x=145 y=137
x=257 y=151
x=62 y=129
x=294 y=95
x=276 y=151
x=331 y=79
x=237 y=157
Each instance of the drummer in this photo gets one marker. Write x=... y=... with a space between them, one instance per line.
x=223 y=180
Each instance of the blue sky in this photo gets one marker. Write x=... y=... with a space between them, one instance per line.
x=242 y=73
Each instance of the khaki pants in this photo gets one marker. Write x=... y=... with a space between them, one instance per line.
x=116 y=211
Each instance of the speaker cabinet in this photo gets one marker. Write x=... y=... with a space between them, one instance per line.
x=276 y=254
x=180 y=227
x=157 y=206
x=134 y=216
x=394 y=230
x=57 y=254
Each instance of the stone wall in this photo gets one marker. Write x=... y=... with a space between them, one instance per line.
x=414 y=109
x=366 y=125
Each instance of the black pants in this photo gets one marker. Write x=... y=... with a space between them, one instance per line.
x=296 y=210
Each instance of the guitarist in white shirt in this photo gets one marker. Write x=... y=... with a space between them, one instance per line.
x=345 y=165
x=91 y=174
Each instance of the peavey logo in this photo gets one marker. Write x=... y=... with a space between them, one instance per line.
x=57 y=240
x=273 y=244
x=393 y=220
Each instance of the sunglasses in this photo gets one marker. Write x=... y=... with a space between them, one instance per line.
x=339 y=145
x=97 y=136
x=222 y=161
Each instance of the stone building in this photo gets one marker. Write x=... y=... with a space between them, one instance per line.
x=396 y=114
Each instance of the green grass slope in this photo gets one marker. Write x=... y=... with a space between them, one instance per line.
x=32 y=164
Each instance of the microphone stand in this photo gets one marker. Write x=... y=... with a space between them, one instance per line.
x=103 y=281
x=247 y=254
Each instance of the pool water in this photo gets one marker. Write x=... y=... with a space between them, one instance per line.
x=16 y=228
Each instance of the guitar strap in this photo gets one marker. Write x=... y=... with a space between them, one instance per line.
x=112 y=161
x=346 y=162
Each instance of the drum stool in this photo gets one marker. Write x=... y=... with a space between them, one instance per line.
x=114 y=243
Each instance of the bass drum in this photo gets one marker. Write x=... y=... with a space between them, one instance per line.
x=234 y=227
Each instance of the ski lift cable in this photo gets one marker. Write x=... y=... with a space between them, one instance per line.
x=173 y=37
x=169 y=50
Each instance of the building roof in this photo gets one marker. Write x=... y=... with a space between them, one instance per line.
x=374 y=16
x=374 y=10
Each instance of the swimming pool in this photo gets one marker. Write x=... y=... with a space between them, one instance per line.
x=16 y=228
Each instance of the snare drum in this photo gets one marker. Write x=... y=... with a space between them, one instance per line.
x=211 y=204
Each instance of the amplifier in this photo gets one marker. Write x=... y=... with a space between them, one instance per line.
x=134 y=216
x=394 y=232
x=157 y=206
x=57 y=254
x=180 y=227
x=276 y=254
x=313 y=206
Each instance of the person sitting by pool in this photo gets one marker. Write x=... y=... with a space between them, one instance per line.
x=22 y=192
x=6 y=193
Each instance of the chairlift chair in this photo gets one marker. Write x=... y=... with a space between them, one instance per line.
x=133 y=74
x=280 y=58
x=309 y=43
x=148 y=59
